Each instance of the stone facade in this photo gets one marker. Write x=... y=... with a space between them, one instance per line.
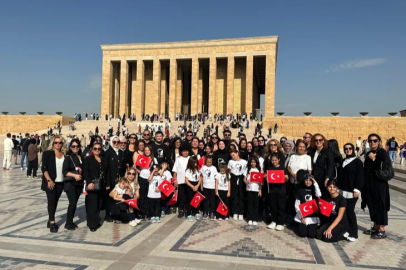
x=344 y=129
x=30 y=123
x=213 y=76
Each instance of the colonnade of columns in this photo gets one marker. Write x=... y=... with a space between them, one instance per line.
x=148 y=86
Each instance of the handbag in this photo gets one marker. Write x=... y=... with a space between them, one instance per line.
x=96 y=183
x=386 y=172
x=70 y=178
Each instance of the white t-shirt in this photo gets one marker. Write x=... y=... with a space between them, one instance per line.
x=145 y=173
x=261 y=163
x=222 y=181
x=180 y=168
x=209 y=174
x=59 y=165
x=167 y=176
x=254 y=186
x=299 y=162
x=120 y=191
x=192 y=176
x=153 y=184
x=237 y=167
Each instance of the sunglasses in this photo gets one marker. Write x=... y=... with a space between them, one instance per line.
x=227 y=135
x=58 y=142
x=283 y=141
x=96 y=149
x=116 y=142
x=214 y=138
x=146 y=134
x=130 y=173
x=304 y=137
x=123 y=143
x=347 y=148
x=74 y=146
x=373 y=141
x=189 y=135
x=319 y=140
x=261 y=140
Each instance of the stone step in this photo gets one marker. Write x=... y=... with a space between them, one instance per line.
x=398 y=185
x=400 y=176
x=400 y=170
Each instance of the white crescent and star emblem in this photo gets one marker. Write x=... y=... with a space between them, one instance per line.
x=255 y=176
x=141 y=161
x=272 y=176
x=304 y=209
x=131 y=203
x=165 y=187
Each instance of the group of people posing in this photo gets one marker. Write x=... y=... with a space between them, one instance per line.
x=220 y=169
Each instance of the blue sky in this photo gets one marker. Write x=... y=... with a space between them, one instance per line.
x=345 y=56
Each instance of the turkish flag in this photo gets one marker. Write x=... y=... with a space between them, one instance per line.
x=174 y=199
x=222 y=209
x=143 y=161
x=276 y=176
x=133 y=203
x=197 y=199
x=166 y=188
x=256 y=177
x=325 y=207
x=308 y=208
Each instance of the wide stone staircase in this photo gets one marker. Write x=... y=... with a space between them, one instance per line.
x=399 y=181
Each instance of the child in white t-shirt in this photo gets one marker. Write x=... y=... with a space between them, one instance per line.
x=179 y=169
x=192 y=179
x=254 y=192
x=207 y=175
x=223 y=188
x=154 y=194
x=135 y=193
x=165 y=176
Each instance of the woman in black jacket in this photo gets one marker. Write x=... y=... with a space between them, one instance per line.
x=94 y=167
x=221 y=155
x=52 y=177
x=73 y=182
x=322 y=162
x=376 y=191
x=351 y=181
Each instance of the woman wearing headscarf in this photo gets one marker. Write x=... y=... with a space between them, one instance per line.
x=242 y=146
x=376 y=191
x=221 y=155
x=288 y=150
x=351 y=181
x=32 y=158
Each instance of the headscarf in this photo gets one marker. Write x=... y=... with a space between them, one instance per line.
x=349 y=158
x=292 y=145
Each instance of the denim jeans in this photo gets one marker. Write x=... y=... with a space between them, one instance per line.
x=392 y=155
x=24 y=156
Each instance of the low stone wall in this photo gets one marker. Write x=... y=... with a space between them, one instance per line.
x=30 y=123
x=344 y=129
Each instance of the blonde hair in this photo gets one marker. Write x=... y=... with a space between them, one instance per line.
x=51 y=144
x=278 y=146
x=135 y=182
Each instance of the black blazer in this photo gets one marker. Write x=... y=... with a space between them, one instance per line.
x=48 y=165
x=116 y=166
x=69 y=165
x=324 y=166
x=92 y=169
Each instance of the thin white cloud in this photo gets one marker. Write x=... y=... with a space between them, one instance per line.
x=357 y=63
x=94 y=82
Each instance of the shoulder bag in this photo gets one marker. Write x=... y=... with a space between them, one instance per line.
x=386 y=172
x=96 y=182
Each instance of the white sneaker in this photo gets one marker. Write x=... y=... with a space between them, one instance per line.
x=138 y=221
x=351 y=239
x=240 y=217
x=226 y=219
x=220 y=219
x=250 y=222
x=279 y=228
x=272 y=226
x=235 y=217
x=132 y=223
x=255 y=223
x=346 y=235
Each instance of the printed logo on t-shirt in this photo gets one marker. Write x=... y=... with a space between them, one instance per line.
x=308 y=198
x=208 y=172
x=220 y=160
x=334 y=208
x=223 y=179
x=392 y=144
x=239 y=167
x=160 y=153
x=195 y=176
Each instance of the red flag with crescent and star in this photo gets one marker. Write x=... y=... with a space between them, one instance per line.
x=174 y=199
x=222 y=209
x=143 y=161
x=197 y=199
x=276 y=176
x=308 y=208
x=256 y=177
x=133 y=203
x=325 y=207
x=166 y=188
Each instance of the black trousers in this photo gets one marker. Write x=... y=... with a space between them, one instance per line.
x=191 y=211
x=53 y=196
x=73 y=195
x=209 y=201
x=224 y=198
x=237 y=194
x=309 y=231
x=377 y=202
x=93 y=205
x=337 y=232
x=277 y=203
x=351 y=217
x=143 y=200
x=32 y=167
x=290 y=205
x=253 y=205
x=182 y=197
x=107 y=201
x=154 y=207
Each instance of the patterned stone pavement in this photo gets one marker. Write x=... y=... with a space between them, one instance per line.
x=25 y=242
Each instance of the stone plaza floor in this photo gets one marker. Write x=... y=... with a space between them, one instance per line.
x=26 y=243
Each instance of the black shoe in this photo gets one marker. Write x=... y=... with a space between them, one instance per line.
x=108 y=219
x=379 y=235
x=54 y=228
x=76 y=226
x=180 y=214
x=70 y=227
x=93 y=229
x=48 y=224
x=370 y=231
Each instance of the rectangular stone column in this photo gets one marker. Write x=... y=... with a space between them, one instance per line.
x=200 y=91
x=230 y=85
x=107 y=93
x=270 y=86
x=116 y=72
x=194 y=88
x=172 y=88
x=138 y=91
x=153 y=97
x=124 y=88
x=162 y=91
x=178 y=101
x=134 y=97
x=212 y=86
x=249 y=84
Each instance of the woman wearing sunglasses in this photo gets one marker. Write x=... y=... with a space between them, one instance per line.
x=131 y=149
x=376 y=191
x=73 y=181
x=94 y=167
x=52 y=178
